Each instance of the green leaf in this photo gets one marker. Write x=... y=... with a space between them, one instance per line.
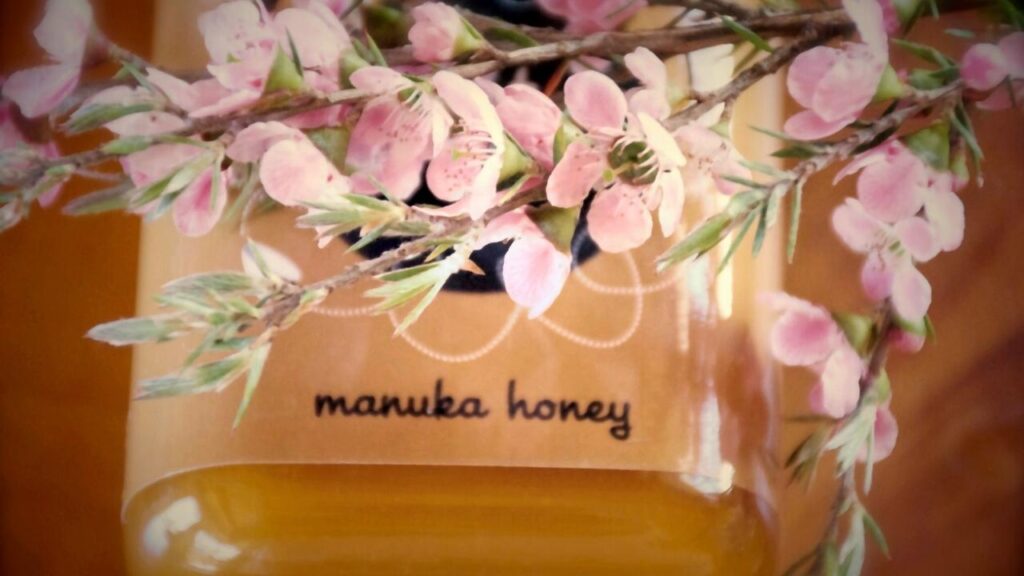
x=737 y=239
x=775 y=134
x=96 y=115
x=704 y=238
x=557 y=224
x=216 y=282
x=256 y=362
x=960 y=33
x=746 y=34
x=889 y=86
x=858 y=329
x=284 y=75
x=794 y=220
x=931 y=144
x=136 y=330
x=798 y=151
x=876 y=532
x=512 y=36
x=404 y=273
x=924 y=52
x=762 y=227
x=108 y=200
x=368 y=238
x=127 y=145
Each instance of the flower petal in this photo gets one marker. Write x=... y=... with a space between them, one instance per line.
x=594 y=101
x=856 y=228
x=983 y=67
x=647 y=68
x=945 y=211
x=894 y=189
x=670 y=210
x=64 y=31
x=849 y=85
x=534 y=272
x=807 y=70
x=804 y=335
x=876 y=277
x=294 y=172
x=618 y=220
x=38 y=91
x=838 y=392
x=919 y=237
x=575 y=174
x=911 y=292
x=807 y=125
x=199 y=207
x=255 y=139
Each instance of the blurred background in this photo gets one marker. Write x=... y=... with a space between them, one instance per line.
x=950 y=498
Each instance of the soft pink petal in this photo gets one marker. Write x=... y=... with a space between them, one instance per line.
x=156 y=162
x=233 y=30
x=1000 y=99
x=534 y=272
x=660 y=141
x=594 y=101
x=911 y=292
x=894 y=189
x=945 y=211
x=860 y=162
x=38 y=91
x=318 y=45
x=65 y=30
x=876 y=277
x=387 y=146
x=651 y=102
x=919 y=237
x=199 y=207
x=804 y=335
x=869 y=18
x=468 y=181
x=983 y=67
x=435 y=31
x=294 y=172
x=469 y=102
x=1012 y=46
x=906 y=342
x=618 y=219
x=886 y=432
x=378 y=79
x=575 y=174
x=807 y=125
x=646 y=67
x=807 y=70
x=510 y=225
x=532 y=119
x=838 y=392
x=255 y=139
x=244 y=75
x=849 y=85
x=856 y=228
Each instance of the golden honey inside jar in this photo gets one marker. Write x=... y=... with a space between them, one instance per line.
x=628 y=429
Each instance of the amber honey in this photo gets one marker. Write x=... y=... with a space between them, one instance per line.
x=670 y=473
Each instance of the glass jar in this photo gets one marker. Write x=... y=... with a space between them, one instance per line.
x=631 y=428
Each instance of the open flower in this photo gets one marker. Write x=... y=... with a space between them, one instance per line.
x=293 y=171
x=986 y=66
x=534 y=270
x=439 y=33
x=806 y=335
x=710 y=160
x=589 y=16
x=666 y=85
x=400 y=128
x=468 y=167
x=633 y=163
x=64 y=34
x=836 y=84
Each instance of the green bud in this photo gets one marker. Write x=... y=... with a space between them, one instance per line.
x=568 y=132
x=557 y=224
x=514 y=161
x=858 y=328
x=284 y=75
x=890 y=86
x=350 y=62
x=931 y=144
x=333 y=142
x=388 y=27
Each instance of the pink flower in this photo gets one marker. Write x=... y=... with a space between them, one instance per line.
x=529 y=116
x=534 y=271
x=806 y=335
x=64 y=34
x=12 y=140
x=892 y=251
x=589 y=16
x=467 y=169
x=711 y=159
x=338 y=7
x=439 y=33
x=400 y=128
x=199 y=206
x=891 y=16
x=157 y=162
x=632 y=161
x=986 y=66
x=835 y=85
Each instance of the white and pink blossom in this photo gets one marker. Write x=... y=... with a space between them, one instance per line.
x=64 y=34
x=631 y=160
x=589 y=16
x=439 y=33
x=988 y=66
